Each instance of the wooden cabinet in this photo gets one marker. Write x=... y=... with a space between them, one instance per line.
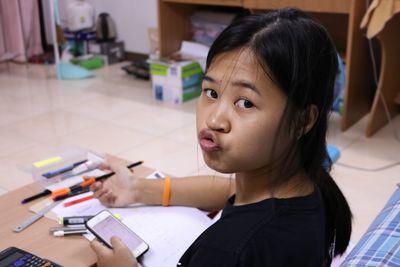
x=174 y=17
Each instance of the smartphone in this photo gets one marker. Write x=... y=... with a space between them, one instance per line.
x=104 y=226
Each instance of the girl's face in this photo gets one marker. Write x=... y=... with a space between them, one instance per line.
x=238 y=114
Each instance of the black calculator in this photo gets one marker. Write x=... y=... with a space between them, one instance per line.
x=15 y=257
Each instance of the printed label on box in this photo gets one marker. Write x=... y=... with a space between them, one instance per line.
x=176 y=82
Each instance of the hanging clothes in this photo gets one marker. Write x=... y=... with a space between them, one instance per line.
x=20 y=30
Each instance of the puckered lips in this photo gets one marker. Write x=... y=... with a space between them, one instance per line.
x=208 y=141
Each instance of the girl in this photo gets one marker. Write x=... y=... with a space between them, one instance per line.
x=262 y=115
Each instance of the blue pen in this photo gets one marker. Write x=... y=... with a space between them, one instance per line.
x=62 y=170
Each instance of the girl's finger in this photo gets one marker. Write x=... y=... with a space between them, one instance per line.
x=108 y=198
x=101 y=193
x=100 y=249
x=96 y=186
x=104 y=166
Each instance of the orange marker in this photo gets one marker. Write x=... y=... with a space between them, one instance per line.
x=57 y=194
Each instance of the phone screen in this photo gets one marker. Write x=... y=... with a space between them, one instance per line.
x=109 y=227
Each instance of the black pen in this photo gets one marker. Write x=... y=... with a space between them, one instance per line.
x=90 y=180
x=36 y=196
x=107 y=175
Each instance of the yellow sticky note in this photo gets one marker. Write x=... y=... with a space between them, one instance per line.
x=45 y=162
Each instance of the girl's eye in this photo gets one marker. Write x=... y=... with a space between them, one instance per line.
x=244 y=103
x=211 y=93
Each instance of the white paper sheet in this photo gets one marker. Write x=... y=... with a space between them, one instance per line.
x=168 y=231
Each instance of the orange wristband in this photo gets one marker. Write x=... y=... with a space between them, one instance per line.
x=166 y=192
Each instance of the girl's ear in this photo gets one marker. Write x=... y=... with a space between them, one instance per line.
x=304 y=121
x=312 y=116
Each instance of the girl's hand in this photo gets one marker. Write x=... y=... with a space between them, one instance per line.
x=119 y=256
x=116 y=191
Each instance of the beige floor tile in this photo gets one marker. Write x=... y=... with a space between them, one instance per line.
x=205 y=170
x=28 y=155
x=176 y=158
x=143 y=96
x=367 y=193
x=156 y=120
x=24 y=82
x=11 y=142
x=344 y=139
x=63 y=97
x=2 y=191
x=187 y=134
x=155 y=149
x=29 y=71
x=106 y=138
x=13 y=178
x=189 y=106
x=105 y=107
x=13 y=110
x=51 y=127
x=183 y=161
x=380 y=150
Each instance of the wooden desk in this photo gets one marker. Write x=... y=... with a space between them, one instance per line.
x=67 y=251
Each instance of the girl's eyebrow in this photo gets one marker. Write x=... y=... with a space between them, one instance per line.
x=238 y=83
x=209 y=79
x=246 y=84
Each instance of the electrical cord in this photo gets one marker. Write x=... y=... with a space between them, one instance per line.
x=391 y=165
x=379 y=91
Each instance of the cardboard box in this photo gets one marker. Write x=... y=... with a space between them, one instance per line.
x=114 y=51
x=176 y=81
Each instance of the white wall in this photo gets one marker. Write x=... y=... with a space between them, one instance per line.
x=132 y=19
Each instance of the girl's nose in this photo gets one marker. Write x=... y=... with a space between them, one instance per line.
x=218 y=120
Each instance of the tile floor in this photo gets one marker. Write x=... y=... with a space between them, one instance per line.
x=115 y=113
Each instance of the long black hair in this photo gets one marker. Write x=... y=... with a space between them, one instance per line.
x=299 y=56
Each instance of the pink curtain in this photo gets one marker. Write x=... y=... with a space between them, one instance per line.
x=20 y=29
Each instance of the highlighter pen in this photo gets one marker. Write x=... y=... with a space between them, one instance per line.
x=62 y=170
x=75 y=220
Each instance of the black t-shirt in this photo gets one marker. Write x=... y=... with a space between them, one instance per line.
x=272 y=232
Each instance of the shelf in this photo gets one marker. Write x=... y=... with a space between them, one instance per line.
x=237 y=3
x=176 y=14
x=327 y=6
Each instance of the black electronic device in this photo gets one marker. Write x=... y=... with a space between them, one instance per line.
x=16 y=257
